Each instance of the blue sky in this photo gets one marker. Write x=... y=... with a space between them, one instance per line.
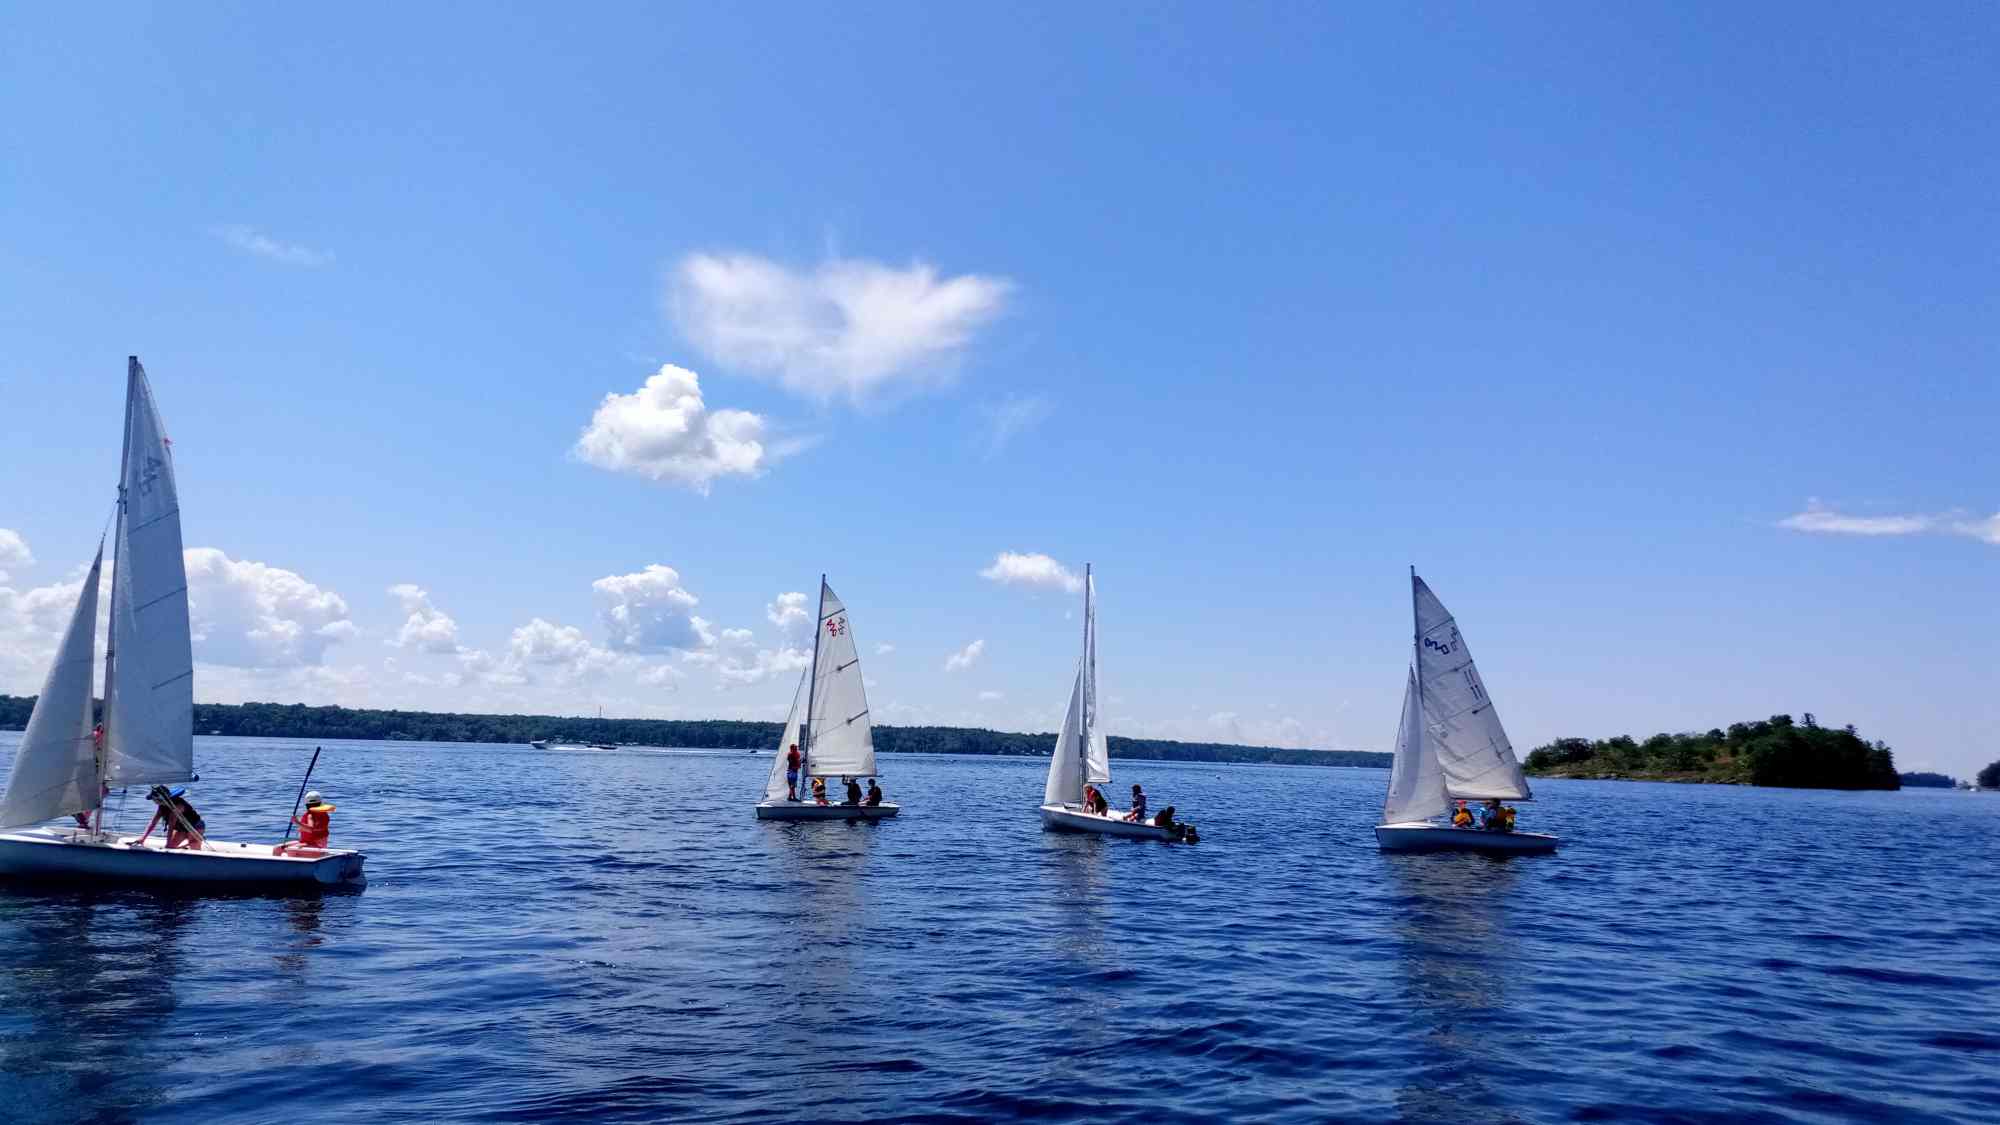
x=1661 y=341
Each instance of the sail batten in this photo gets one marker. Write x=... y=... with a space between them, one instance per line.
x=1461 y=727
x=149 y=681
x=55 y=768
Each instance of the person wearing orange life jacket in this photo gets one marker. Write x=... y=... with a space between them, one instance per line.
x=315 y=826
x=1462 y=817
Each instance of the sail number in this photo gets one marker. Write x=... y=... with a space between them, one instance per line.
x=1442 y=648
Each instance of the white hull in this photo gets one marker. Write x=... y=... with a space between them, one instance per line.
x=1424 y=837
x=1070 y=818
x=72 y=855
x=806 y=810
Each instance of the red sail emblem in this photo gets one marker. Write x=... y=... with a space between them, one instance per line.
x=836 y=626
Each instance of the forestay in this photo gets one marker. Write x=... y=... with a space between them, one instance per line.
x=843 y=739
x=774 y=786
x=1461 y=728
x=1081 y=734
x=1416 y=784
x=149 y=688
x=55 y=769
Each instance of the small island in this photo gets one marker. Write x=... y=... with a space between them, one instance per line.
x=1771 y=752
x=1922 y=780
x=296 y=720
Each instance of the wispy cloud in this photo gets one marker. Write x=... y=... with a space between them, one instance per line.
x=1012 y=568
x=1010 y=417
x=252 y=241
x=1822 y=520
x=848 y=327
x=965 y=657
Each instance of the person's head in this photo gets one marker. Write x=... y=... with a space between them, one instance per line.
x=312 y=798
x=1135 y=787
x=1493 y=803
x=177 y=792
x=1169 y=811
x=795 y=746
x=1461 y=804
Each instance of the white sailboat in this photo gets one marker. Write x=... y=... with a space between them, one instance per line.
x=835 y=738
x=1082 y=755
x=148 y=738
x=1449 y=746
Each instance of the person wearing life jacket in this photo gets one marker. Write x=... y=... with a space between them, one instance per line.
x=1506 y=818
x=1461 y=817
x=315 y=826
x=819 y=790
x=874 y=797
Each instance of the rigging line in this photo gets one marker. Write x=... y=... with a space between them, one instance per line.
x=154 y=520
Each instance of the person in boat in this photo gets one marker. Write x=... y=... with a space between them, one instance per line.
x=1093 y=801
x=1461 y=817
x=315 y=826
x=874 y=797
x=853 y=791
x=1499 y=818
x=1506 y=818
x=792 y=773
x=1138 y=813
x=819 y=790
x=184 y=824
x=1164 y=818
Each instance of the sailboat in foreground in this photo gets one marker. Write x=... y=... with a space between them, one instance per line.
x=1449 y=746
x=833 y=733
x=1082 y=756
x=61 y=770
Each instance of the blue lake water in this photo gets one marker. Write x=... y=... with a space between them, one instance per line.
x=612 y=936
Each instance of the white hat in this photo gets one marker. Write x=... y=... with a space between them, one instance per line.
x=312 y=797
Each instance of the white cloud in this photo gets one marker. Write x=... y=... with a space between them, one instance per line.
x=31 y=625
x=990 y=696
x=562 y=647
x=965 y=657
x=1012 y=569
x=13 y=551
x=649 y=611
x=251 y=241
x=884 y=649
x=767 y=663
x=665 y=432
x=1822 y=520
x=664 y=676
x=1010 y=417
x=848 y=327
x=251 y=615
x=788 y=613
x=427 y=628
x=738 y=638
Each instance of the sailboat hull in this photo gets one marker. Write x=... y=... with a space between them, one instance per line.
x=1425 y=837
x=77 y=858
x=1067 y=818
x=806 y=810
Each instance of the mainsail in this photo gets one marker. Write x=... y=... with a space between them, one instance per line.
x=1416 y=784
x=149 y=662
x=842 y=738
x=55 y=769
x=1081 y=735
x=1461 y=728
x=774 y=786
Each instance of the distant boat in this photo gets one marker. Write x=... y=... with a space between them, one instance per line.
x=1449 y=746
x=148 y=738
x=1082 y=756
x=539 y=743
x=835 y=738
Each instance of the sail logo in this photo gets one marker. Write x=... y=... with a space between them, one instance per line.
x=1442 y=648
x=150 y=475
x=836 y=627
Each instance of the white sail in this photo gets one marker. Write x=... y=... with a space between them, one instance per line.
x=1461 y=728
x=55 y=769
x=149 y=684
x=1416 y=784
x=1097 y=755
x=1065 y=783
x=774 y=786
x=843 y=739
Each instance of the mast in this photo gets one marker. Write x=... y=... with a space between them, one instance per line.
x=1417 y=667
x=805 y=723
x=1089 y=690
x=101 y=751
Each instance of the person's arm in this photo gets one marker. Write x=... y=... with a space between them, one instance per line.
x=149 y=827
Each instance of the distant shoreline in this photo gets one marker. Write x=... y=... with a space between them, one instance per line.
x=296 y=720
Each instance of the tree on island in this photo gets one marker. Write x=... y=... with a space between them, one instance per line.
x=1921 y=779
x=1775 y=752
x=1989 y=778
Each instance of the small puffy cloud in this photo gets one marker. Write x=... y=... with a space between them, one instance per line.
x=665 y=432
x=426 y=628
x=737 y=671
x=991 y=696
x=788 y=612
x=257 y=244
x=1013 y=569
x=737 y=638
x=13 y=551
x=1010 y=417
x=965 y=657
x=247 y=614
x=884 y=649
x=649 y=611
x=663 y=676
x=847 y=328
x=1822 y=520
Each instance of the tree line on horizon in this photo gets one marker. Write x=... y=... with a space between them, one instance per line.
x=296 y=720
x=1773 y=752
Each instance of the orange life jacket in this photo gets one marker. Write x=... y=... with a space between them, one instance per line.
x=315 y=826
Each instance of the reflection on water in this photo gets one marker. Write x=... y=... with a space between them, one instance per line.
x=1457 y=961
